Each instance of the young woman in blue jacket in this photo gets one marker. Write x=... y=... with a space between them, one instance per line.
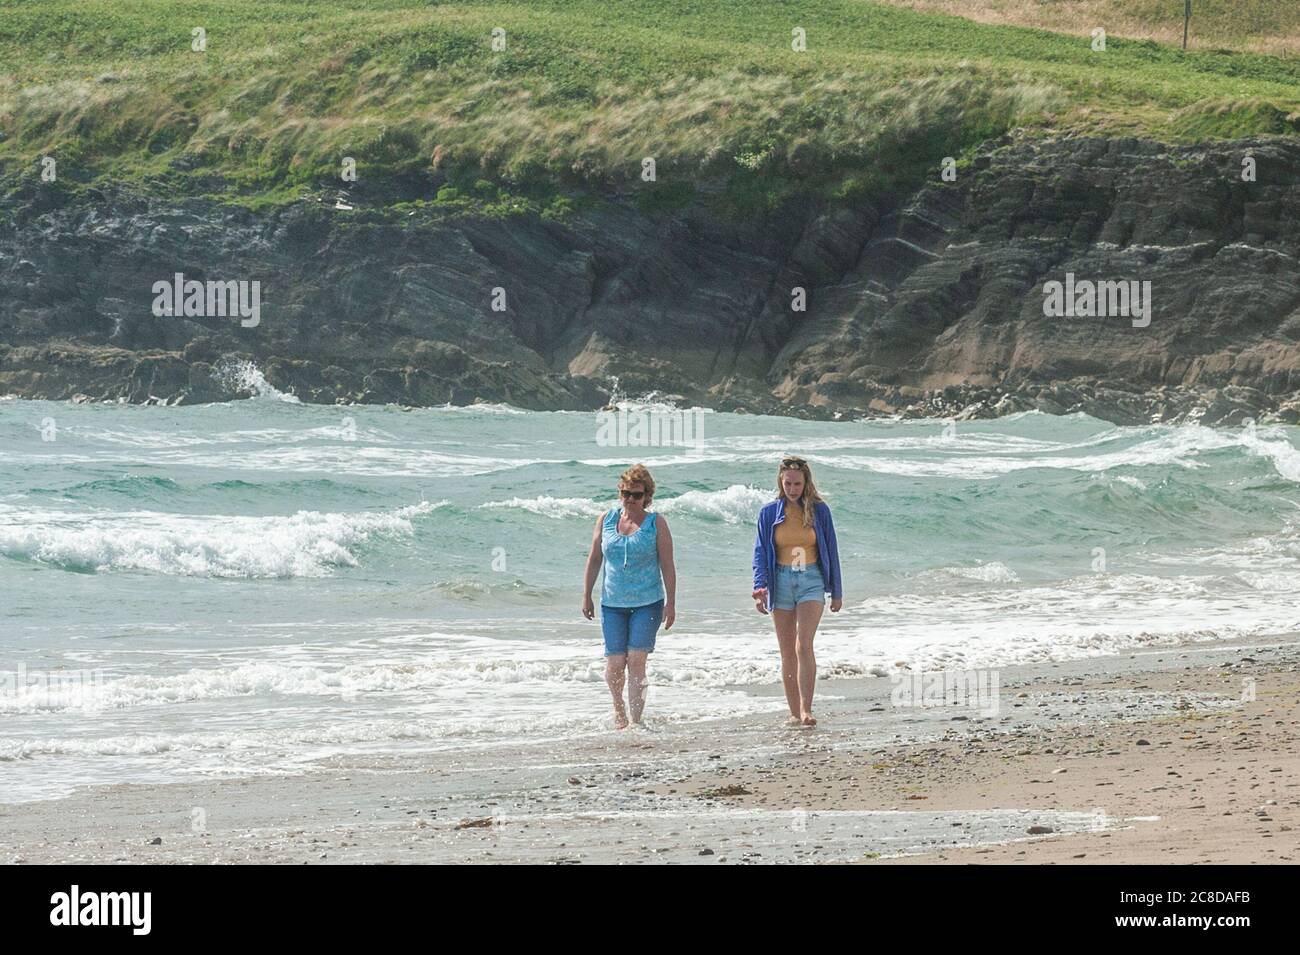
x=796 y=563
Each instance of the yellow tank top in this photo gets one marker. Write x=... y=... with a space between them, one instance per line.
x=795 y=544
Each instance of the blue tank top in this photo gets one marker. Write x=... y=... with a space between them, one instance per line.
x=632 y=577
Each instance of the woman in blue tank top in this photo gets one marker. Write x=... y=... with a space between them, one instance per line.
x=638 y=592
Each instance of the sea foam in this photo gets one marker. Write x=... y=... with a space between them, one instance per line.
x=305 y=544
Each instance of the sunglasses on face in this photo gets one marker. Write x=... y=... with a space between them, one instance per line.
x=634 y=495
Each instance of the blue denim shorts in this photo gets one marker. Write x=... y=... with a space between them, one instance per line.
x=631 y=628
x=797 y=586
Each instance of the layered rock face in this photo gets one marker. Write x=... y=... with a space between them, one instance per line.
x=928 y=303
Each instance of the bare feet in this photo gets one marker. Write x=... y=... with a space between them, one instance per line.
x=620 y=720
x=793 y=721
x=808 y=720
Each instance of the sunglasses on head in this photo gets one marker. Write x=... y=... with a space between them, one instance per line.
x=794 y=463
x=634 y=495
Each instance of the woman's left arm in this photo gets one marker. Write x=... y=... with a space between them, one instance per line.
x=664 y=543
x=836 y=582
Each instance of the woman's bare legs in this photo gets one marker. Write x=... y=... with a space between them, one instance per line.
x=636 y=685
x=786 y=638
x=615 y=664
x=807 y=614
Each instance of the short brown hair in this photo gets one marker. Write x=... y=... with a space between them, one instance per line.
x=639 y=474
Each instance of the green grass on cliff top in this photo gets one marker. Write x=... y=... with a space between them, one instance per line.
x=583 y=91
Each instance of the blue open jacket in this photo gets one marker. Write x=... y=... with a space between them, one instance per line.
x=828 y=552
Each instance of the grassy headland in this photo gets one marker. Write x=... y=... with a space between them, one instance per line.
x=582 y=92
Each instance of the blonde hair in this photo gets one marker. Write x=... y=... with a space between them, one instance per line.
x=810 y=498
x=639 y=474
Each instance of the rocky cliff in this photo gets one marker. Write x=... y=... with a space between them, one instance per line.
x=929 y=302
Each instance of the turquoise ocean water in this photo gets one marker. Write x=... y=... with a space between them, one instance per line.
x=254 y=586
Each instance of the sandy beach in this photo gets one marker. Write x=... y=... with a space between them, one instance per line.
x=1199 y=786
x=1153 y=757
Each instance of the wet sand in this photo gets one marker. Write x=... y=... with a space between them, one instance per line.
x=1159 y=756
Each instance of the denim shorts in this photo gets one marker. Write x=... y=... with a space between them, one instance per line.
x=797 y=586
x=631 y=628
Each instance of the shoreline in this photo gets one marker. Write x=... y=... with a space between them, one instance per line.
x=1230 y=406
x=874 y=783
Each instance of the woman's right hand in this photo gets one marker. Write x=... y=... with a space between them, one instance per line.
x=588 y=608
x=760 y=599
